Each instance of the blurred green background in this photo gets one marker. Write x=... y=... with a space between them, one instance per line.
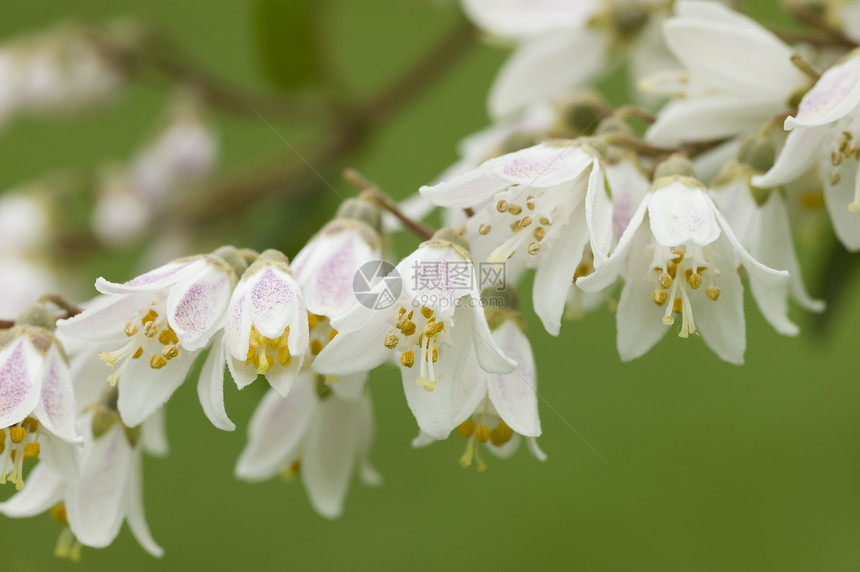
x=708 y=467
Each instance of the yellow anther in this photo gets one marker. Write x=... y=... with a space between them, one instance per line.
x=502 y=206
x=582 y=269
x=252 y=353
x=516 y=226
x=515 y=209
x=812 y=201
x=435 y=353
x=16 y=434
x=316 y=347
x=426 y=312
x=2 y=435
x=130 y=329
x=659 y=297
x=150 y=316
x=672 y=269
x=525 y=221
x=332 y=334
x=501 y=434
x=150 y=330
x=390 y=341
x=677 y=305
x=835 y=178
x=157 y=361
x=408 y=328
x=665 y=281
x=167 y=336
x=30 y=424
x=836 y=158
x=58 y=513
x=313 y=320
x=31 y=450
x=407 y=358
x=433 y=328
x=466 y=428
x=484 y=229
x=284 y=357
x=534 y=248
x=482 y=433
x=712 y=292
x=694 y=279
x=545 y=221
x=539 y=233
x=137 y=353
x=679 y=256
x=530 y=203
x=170 y=351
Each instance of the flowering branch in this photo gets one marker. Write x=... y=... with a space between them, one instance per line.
x=370 y=190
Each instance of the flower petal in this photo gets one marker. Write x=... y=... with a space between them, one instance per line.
x=277 y=429
x=210 y=386
x=682 y=215
x=797 y=156
x=153 y=434
x=520 y=19
x=846 y=224
x=834 y=95
x=514 y=395
x=20 y=380
x=472 y=188
x=142 y=389
x=158 y=279
x=490 y=357
x=197 y=305
x=57 y=409
x=42 y=490
x=134 y=508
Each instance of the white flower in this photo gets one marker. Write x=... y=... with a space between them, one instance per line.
x=546 y=203
x=267 y=325
x=763 y=229
x=824 y=133
x=161 y=320
x=432 y=313
x=493 y=408
x=684 y=261
x=315 y=433
x=723 y=91
x=36 y=393
x=326 y=267
x=107 y=490
x=561 y=44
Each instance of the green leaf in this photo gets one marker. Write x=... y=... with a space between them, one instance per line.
x=286 y=41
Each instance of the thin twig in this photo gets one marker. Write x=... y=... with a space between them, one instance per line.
x=59 y=301
x=371 y=190
x=6 y=324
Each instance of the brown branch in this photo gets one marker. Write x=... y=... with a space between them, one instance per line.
x=371 y=190
x=6 y=324
x=59 y=301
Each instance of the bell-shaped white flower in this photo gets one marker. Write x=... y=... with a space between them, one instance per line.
x=267 y=325
x=427 y=314
x=723 y=91
x=546 y=203
x=36 y=394
x=492 y=408
x=107 y=490
x=160 y=320
x=683 y=261
x=315 y=433
x=824 y=134
x=760 y=220
x=562 y=45
x=326 y=267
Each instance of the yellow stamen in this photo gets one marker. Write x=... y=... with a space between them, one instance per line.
x=502 y=206
x=130 y=329
x=677 y=305
x=316 y=347
x=150 y=316
x=407 y=358
x=659 y=297
x=157 y=361
x=712 y=292
x=466 y=428
x=138 y=353
x=31 y=450
x=482 y=433
x=170 y=351
x=16 y=434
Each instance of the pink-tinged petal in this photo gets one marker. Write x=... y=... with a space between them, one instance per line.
x=142 y=389
x=197 y=305
x=275 y=298
x=628 y=185
x=721 y=322
x=20 y=380
x=639 y=321
x=328 y=280
x=797 y=156
x=210 y=386
x=237 y=329
x=606 y=274
x=735 y=202
x=330 y=455
x=835 y=95
x=42 y=490
x=57 y=409
x=134 y=508
x=514 y=395
x=470 y=189
x=543 y=165
x=96 y=503
x=598 y=213
x=548 y=66
x=554 y=275
x=154 y=280
x=528 y=18
x=277 y=430
x=682 y=215
x=104 y=319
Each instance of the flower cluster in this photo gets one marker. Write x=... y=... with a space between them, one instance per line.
x=663 y=221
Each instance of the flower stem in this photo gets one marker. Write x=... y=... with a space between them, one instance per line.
x=372 y=191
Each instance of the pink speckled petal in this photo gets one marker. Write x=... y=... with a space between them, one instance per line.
x=682 y=215
x=156 y=279
x=56 y=410
x=20 y=381
x=197 y=305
